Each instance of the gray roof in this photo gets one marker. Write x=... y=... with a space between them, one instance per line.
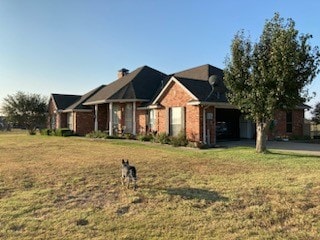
x=141 y=84
x=63 y=101
x=78 y=105
x=196 y=81
x=202 y=72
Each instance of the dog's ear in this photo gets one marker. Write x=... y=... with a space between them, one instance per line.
x=127 y=161
x=122 y=160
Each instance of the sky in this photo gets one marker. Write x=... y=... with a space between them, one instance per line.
x=74 y=46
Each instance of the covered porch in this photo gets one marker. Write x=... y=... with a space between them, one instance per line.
x=119 y=118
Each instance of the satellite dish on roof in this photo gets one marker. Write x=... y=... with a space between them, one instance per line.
x=213 y=80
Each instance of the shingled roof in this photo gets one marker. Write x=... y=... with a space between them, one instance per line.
x=195 y=80
x=202 y=72
x=78 y=105
x=141 y=84
x=62 y=101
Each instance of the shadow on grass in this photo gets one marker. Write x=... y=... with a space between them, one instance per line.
x=291 y=154
x=196 y=193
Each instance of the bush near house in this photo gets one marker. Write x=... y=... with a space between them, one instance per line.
x=179 y=141
x=60 y=132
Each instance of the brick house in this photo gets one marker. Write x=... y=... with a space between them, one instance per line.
x=68 y=111
x=192 y=101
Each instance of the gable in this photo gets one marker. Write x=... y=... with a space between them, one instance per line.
x=180 y=90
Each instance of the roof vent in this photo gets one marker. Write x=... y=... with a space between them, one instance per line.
x=122 y=72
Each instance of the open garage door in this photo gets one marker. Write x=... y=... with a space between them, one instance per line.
x=227 y=124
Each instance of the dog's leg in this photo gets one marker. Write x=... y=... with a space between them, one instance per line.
x=129 y=180
x=122 y=180
x=134 y=184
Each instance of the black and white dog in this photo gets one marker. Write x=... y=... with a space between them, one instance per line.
x=129 y=174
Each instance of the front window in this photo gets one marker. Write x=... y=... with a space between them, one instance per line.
x=176 y=120
x=116 y=116
x=152 y=120
x=70 y=121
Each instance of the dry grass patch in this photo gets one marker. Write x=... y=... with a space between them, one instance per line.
x=69 y=188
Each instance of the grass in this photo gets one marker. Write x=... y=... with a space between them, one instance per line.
x=69 y=188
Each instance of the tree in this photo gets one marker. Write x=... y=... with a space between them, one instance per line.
x=271 y=74
x=25 y=110
x=316 y=113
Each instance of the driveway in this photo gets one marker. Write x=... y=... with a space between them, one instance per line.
x=294 y=147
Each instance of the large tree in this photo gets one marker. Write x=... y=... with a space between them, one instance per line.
x=271 y=74
x=316 y=113
x=25 y=110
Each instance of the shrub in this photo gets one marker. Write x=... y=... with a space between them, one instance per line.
x=45 y=132
x=162 y=138
x=179 y=140
x=128 y=136
x=63 y=132
x=145 y=137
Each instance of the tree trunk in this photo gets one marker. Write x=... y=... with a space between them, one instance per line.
x=261 y=141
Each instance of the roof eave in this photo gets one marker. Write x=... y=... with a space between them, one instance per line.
x=215 y=104
x=115 y=101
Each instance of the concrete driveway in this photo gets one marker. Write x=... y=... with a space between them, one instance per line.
x=294 y=147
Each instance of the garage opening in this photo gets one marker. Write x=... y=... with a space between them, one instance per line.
x=227 y=124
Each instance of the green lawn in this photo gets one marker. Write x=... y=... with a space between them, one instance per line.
x=70 y=188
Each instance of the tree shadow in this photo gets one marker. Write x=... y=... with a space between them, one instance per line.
x=292 y=154
x=196 y=193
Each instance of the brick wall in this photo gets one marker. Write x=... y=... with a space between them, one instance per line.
x=193 y=123
x=176 y=96
x=280 y=124
x=141 y=121
x=84 y=122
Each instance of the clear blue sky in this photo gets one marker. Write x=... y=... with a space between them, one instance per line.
x=73 y=46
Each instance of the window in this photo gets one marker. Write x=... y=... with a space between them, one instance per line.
x=176 y=120
x=289 y=122
x=70 y=121
x=152 y=120
x=116 y=116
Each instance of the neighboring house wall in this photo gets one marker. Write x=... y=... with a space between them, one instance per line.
x=282 y=121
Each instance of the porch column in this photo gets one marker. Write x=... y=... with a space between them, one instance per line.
x=134 y=127
x=214 y=124
x=110 y=119
x=204 y=126
x=96 y=117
